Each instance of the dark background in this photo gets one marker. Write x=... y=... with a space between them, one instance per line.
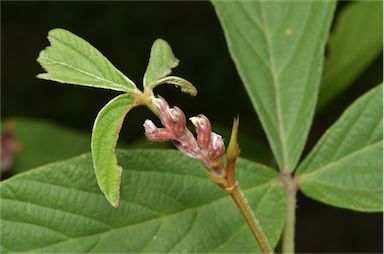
x=124 y=32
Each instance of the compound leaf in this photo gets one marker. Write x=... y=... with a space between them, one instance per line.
x=345 y=168
x=278 y=49
x=105 y=134
x=167 y=205
x=72 y=60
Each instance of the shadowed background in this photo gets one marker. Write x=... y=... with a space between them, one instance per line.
x=124 y=32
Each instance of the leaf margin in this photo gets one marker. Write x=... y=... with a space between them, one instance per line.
x=153 y=72
x=301 y=175
x=53 y=35
x=113 y=195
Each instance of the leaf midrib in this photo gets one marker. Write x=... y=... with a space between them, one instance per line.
x=275 y=82
x=120 y=86
x=105 y=60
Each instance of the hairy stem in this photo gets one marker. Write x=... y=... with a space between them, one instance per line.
x=290 y=185
x=251 y=220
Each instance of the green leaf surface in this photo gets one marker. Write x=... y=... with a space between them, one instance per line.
x=356 y=41
x=184 y=85
x=167 y=205
x=278 y=49
x=41 y=142
x=345 y=168
x=72 y=60
x=161 y=62
x=105 y=134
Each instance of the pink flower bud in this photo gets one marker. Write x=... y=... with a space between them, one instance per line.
x=165 y=113
x=208 y=147
x=178 y=118
x=187 y=148
x=217 y=148
x=149 y=127
x=203 y=129
x=156 y=134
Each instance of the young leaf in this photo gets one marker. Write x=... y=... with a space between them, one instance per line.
x=72 y=60
x=167 y=205
x=345 y=168
x=278 y=50
x=161 y=62
x=104 y=138
x=184 y=85
x=356 y=41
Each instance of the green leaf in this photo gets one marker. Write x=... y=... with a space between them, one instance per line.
x=167 y=205
x=160 y=66
x=356 y=41
x=345 y=168
x=185 y=85
x=105 y=134
x=161 y=61
x=278 y=50
x=43 y=142
x=72 y=60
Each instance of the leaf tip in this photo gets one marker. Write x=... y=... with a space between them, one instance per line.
x=56 y=31
x=42 y=75
x=115 y=204
x=113 y=197
x=191 y=91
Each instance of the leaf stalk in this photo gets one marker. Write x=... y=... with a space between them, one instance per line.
x=290 y=186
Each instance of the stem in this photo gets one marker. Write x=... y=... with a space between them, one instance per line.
x=290 y=185
x=146 y=100
x=253 y=224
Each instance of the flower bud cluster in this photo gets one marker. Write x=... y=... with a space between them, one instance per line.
x=208 y=147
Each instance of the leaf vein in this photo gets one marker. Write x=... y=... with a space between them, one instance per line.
x=37 y=225
x=60 y=210
x=105 y=60
x=123 y=88
x=333 y=163
x=154 y=219
x=186 y=232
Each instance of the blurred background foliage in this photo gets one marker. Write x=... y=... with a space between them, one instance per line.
x=53 y=122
